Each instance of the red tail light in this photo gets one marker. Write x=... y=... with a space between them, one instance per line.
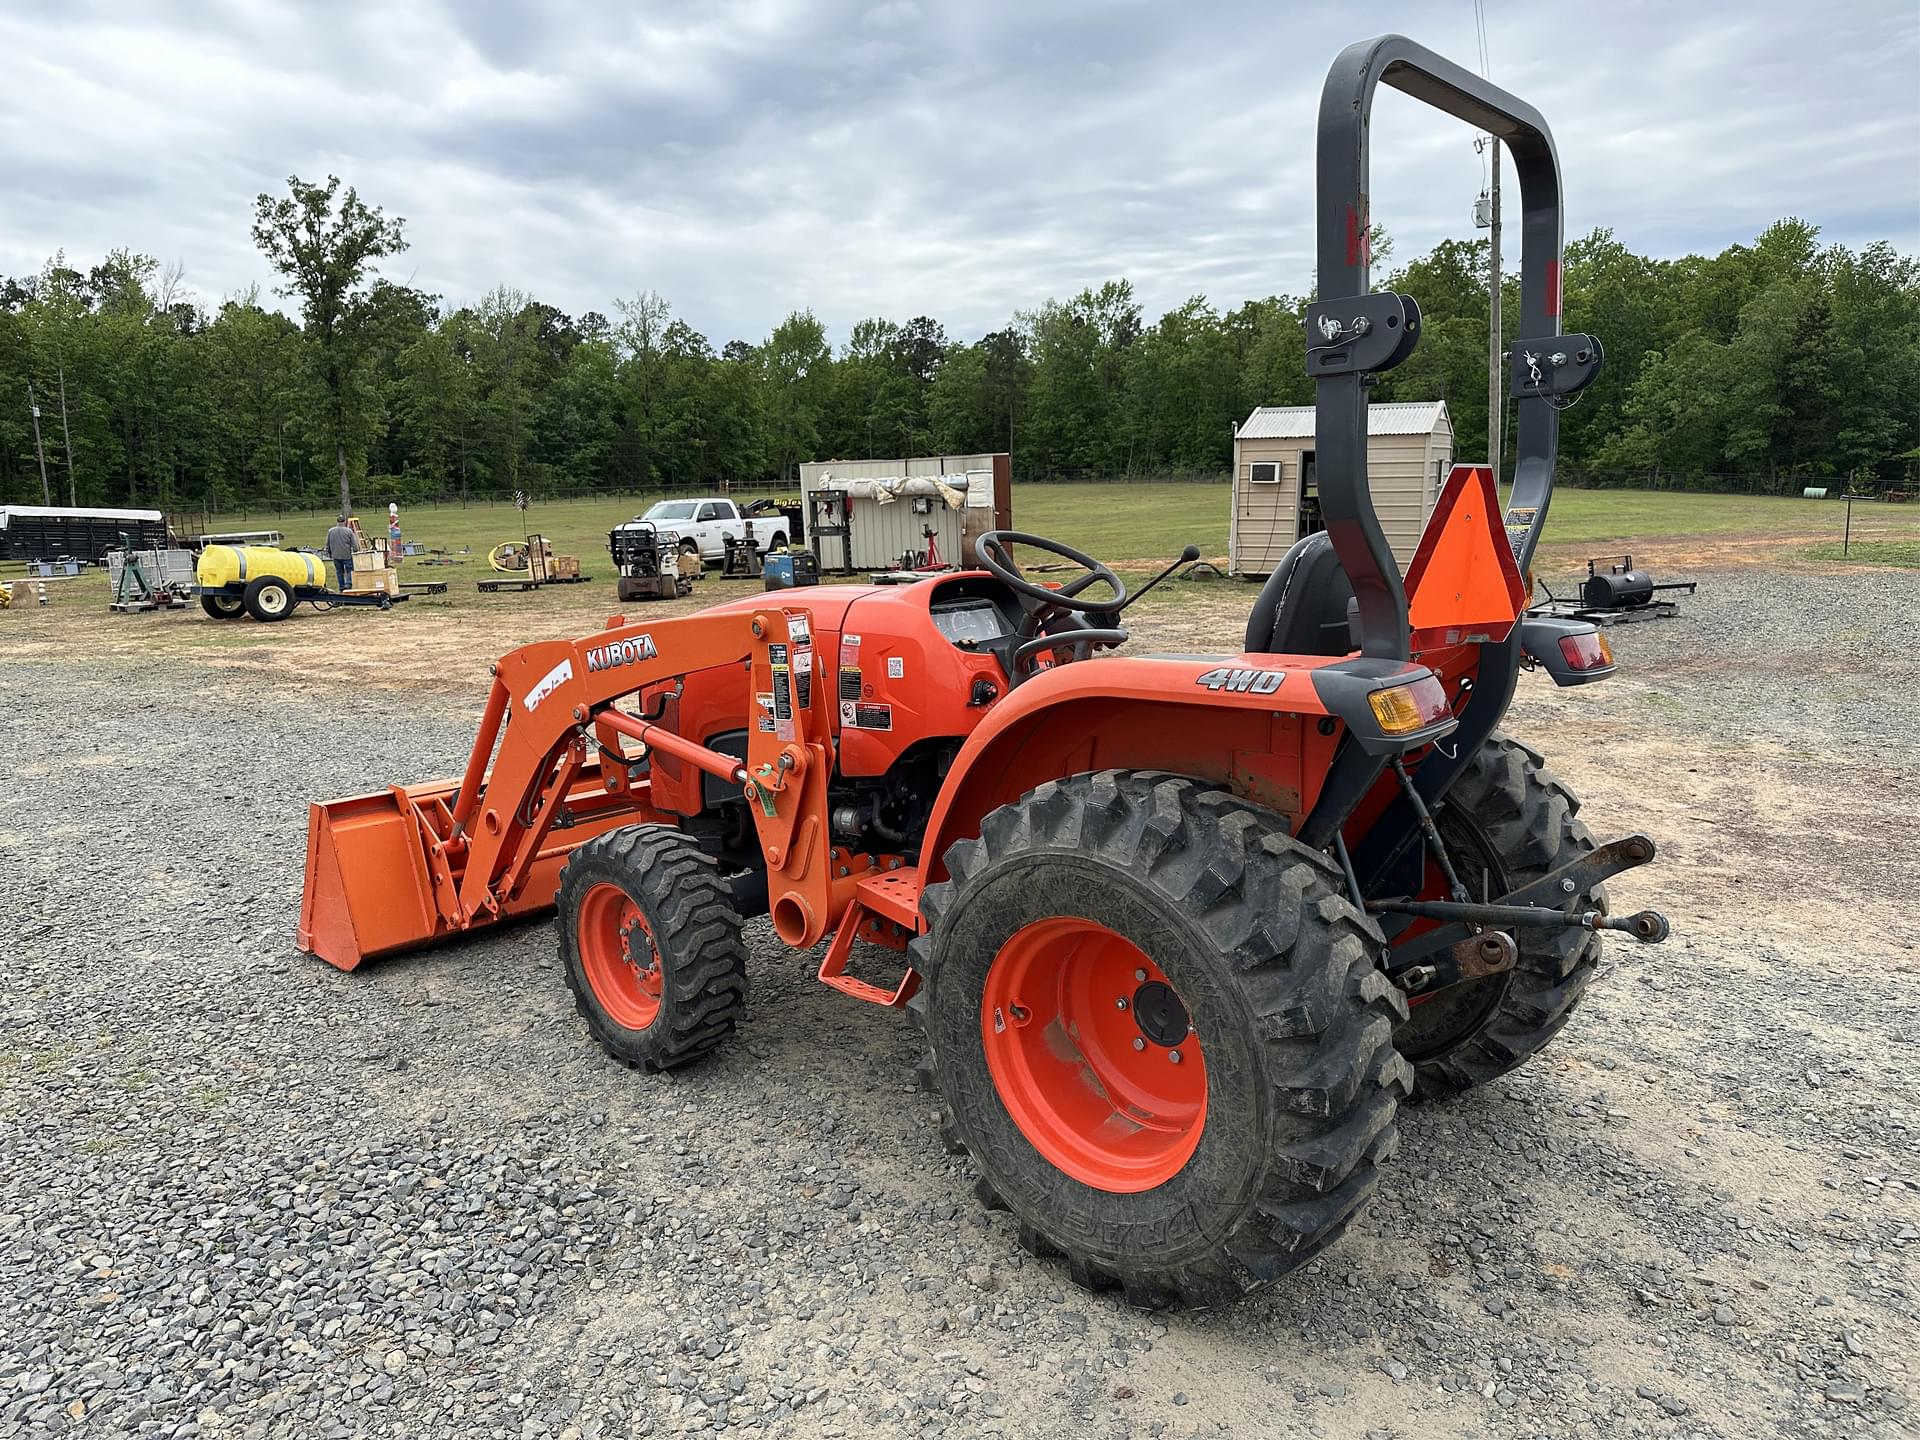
x=1587 y=652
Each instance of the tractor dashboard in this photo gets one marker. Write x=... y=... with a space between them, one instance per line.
x=973 y=611
x=969 y=622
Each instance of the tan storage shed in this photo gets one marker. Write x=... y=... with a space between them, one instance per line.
x=1276 y=496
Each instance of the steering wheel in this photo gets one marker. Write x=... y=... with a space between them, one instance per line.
x=998 y=560
x=1055 y=620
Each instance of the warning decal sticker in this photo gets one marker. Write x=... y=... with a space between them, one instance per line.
x=849 y=680
x=803 y=675
x=872 y=717
x=1519 y=521
x=782 y=692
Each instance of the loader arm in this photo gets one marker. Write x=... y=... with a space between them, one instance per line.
x=549 y=770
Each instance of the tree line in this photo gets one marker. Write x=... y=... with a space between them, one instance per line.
x=1782 y=359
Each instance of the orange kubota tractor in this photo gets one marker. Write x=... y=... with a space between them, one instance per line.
x=1182 y=931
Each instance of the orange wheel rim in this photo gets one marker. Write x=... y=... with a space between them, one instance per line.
x=1094 y=1055
x=618 y=952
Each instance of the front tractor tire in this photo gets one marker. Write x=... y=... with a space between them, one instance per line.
x=1507 y=821
x=1157 y=1026
x=650 y=942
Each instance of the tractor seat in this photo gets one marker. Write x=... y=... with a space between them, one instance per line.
x=1307 y=606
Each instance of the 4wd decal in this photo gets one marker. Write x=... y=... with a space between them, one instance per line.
x=621 y=652
x=1243 y=682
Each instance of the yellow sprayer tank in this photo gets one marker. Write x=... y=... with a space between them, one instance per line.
x=224 y=564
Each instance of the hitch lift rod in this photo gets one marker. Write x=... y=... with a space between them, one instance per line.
x=1648 y=925
x=1530 y=904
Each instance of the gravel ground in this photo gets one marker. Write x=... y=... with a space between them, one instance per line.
x=242 y=1194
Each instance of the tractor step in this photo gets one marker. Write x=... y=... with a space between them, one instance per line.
x=885 y=910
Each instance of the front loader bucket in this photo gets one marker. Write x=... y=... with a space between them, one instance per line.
x=369 y=890
x=371 y=862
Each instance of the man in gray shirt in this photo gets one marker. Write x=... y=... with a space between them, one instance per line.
x=341 y=545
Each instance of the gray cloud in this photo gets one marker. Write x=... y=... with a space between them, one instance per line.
x=902 y=158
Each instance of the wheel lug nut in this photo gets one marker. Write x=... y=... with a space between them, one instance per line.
x=1121 y=1003
x=1174 y=1056
x=1138 y=1043
x=1139 y=974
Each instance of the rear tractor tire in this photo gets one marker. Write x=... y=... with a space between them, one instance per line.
x=1506 y=821
x=1157 y=1026
x=650 y=942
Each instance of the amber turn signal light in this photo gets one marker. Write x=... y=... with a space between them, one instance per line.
x=1406 y=708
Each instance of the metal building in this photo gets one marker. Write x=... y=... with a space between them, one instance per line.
x=1276 y=492
x=53 y=532
x=887 y=506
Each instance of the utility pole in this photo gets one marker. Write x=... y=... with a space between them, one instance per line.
x=66 y=434
x=46 y=494
x=1496 y=404
x=1486 y=215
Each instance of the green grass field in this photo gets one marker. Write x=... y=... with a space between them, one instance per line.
x=1902 y=553
x=1137 y=524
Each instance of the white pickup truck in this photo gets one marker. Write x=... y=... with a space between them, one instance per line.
x=700 y=525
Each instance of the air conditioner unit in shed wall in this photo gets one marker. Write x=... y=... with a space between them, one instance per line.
x=1264 y=472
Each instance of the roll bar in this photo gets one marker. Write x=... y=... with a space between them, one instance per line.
x=1352 y=331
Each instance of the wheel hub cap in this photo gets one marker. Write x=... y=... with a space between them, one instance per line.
x=1160 y=1015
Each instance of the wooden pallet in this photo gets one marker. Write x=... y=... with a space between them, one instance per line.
x=493 y=587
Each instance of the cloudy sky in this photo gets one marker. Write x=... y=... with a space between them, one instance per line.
x=960 y=159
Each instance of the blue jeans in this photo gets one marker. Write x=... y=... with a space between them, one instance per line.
x=343 y=571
